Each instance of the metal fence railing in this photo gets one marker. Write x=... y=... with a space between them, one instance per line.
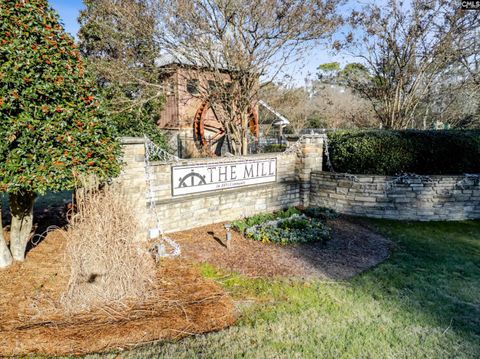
x=186 y=146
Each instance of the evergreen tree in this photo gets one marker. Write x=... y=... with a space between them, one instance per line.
x=52 y=128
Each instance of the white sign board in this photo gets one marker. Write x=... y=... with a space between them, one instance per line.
x=188 y=179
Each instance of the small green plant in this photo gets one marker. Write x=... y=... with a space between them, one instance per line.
x=287 y=226
x=320 y=213
x=243 y=224
x=294 y=222
x=295 y=229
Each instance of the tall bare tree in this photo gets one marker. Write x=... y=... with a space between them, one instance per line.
x=240 y=42
x=292 y=102
x=406 y=48
x=453 y=100
x=320 y=104
x=117 y=38
x=339 y=107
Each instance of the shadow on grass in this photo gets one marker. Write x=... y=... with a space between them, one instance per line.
x=427 y=294
x=49 y=211
x=428 y=289
x=433 y=272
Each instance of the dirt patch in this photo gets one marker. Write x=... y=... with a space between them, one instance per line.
x=181 y=303
x=352 y=249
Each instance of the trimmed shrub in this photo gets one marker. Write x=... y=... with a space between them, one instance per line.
x=274 y=148
x=53 y=126
x=384 y=152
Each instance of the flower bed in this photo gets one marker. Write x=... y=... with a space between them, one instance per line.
x=287 y=227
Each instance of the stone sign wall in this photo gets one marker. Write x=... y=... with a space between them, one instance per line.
x=234 y=187
x=196 y=192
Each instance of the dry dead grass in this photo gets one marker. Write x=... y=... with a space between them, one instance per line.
x=180 y=303
x=107 y=263
x=92 y=287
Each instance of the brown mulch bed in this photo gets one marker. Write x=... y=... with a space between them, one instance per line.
x=352 y=249
x=31 y=321
x=181 y=303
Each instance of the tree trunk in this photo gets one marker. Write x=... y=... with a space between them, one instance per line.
x=425 y=118
x=5 y=255
x=244 y=135
x=235 y=138
x=21 y=206
x=244 y=145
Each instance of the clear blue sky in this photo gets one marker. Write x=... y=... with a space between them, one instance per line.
x=70 y=9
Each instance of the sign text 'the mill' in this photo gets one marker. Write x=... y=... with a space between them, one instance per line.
x=205 y=177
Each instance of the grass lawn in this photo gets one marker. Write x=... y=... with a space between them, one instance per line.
x=423 y=302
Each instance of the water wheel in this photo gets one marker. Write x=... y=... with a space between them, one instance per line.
x=209 y=131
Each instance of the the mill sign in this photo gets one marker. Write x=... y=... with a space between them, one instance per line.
x=187 y=179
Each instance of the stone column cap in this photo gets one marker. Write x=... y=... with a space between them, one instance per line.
x=132 y=140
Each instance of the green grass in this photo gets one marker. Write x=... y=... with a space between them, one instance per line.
x=423 y=302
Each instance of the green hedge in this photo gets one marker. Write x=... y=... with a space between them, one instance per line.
x=274 y=148
x=392 y=152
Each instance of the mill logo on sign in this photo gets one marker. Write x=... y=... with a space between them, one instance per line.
x=187 y=179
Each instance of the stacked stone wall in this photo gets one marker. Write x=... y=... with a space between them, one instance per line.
x=423 y=198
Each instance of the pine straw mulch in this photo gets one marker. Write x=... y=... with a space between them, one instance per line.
x=31 y=322
x=352 y=249
x=182 y=301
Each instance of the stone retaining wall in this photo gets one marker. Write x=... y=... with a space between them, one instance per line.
x=299 y=181
x=291 y=188
x=423 y=198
